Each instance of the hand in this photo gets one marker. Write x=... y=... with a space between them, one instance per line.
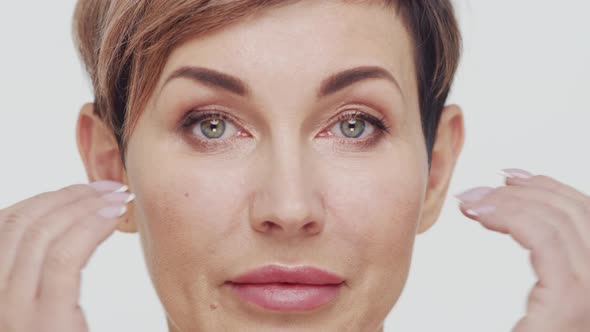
x=553 y=221
x=45 y=241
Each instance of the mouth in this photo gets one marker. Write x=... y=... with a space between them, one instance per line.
x=280 y=288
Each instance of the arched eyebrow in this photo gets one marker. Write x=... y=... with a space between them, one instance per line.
x=330 y=85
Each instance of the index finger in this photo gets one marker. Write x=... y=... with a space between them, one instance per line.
x=15 y=219
x=43 y=203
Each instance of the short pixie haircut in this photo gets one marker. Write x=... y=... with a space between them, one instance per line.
x=123 y=44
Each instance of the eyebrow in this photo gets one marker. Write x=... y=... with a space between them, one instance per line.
x=330 y=85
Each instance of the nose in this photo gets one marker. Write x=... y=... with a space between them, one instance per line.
x=286 y=203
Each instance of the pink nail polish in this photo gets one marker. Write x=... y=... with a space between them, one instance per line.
x=481 y=210
x=474 y=194
x=119 y=197
x=108 y=186
x=112 y=212
x=515 y=172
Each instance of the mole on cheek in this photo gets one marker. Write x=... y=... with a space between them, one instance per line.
x=185 y=194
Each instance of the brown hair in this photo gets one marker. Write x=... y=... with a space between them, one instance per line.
x=122 y=43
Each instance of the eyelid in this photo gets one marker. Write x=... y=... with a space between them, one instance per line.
x=197 y=115
x=200 y=113
x=380 y=122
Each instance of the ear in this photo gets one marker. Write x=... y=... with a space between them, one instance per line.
x=447 y=147
x=99 y=151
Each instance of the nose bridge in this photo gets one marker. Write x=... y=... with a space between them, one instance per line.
x=286 y=203
x=287 y=184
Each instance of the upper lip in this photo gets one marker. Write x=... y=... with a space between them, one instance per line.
x=297 y=274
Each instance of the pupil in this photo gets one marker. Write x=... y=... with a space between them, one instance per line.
x=352 y=128
x=212 y=128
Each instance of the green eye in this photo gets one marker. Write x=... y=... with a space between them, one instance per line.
x=352 y=128
x=213 y=128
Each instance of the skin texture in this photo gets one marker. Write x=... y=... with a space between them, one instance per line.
x=286 y=193
x=283 y=192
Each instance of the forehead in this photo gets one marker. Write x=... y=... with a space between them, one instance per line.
x=307 y=40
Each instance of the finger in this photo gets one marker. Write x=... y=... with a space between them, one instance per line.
x=38 y=237
x=574 y=220
x=551 y=184
x=562 y=212
x=527 y=223
x=60 y=279
x=532 y=323
x=43 y=203
x=571 y=219
x=16 y=218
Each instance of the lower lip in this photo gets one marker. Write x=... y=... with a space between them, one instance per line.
x=285 y=297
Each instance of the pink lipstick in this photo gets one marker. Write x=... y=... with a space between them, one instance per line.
x=276 y=287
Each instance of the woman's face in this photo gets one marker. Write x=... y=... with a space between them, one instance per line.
x=282 y=179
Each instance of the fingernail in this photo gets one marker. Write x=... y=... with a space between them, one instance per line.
x=515 y=172
x=108 y=185
x=474 y=194
x=119 y=197
x=111 y=212
x=480 y=210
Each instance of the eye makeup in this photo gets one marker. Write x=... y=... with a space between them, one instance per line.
x=192 y=119
x=195 y=119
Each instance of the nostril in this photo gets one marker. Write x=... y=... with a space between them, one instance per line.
x=268 y=225
x=312 y=227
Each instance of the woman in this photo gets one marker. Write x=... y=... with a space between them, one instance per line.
x=281 y=159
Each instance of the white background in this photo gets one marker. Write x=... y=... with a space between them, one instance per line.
x=523 y=84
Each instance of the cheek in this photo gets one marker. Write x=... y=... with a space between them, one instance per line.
x=379 y=210
x=374 y=220
x=184 y=216
x=375 y=217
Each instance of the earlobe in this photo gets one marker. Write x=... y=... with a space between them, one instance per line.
x=99 y=152
x=445 y=153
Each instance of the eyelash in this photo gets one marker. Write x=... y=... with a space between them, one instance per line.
x=196 y=116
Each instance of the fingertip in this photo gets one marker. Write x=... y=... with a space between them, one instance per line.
x=108 y=186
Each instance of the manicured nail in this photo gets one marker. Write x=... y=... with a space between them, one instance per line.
x=108 y=186
x=515 y=172
x=119 y=197
x=474 y=194
x=111 y=212
x=480 y=210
